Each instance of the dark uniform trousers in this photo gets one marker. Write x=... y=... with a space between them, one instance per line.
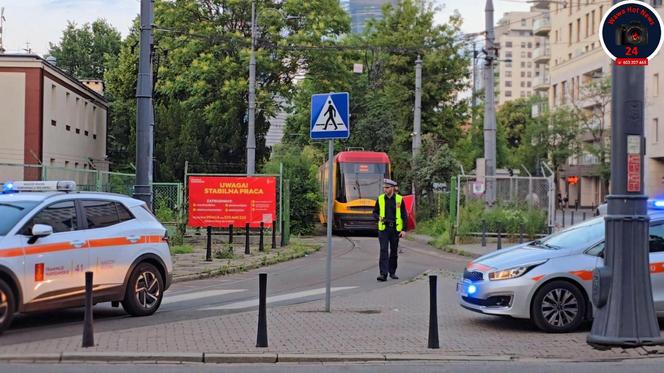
x=388 y=238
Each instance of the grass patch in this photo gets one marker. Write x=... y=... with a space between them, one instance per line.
x=182 y=249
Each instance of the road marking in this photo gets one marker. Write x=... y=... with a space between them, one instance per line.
x=276 y=298
x=199 y=295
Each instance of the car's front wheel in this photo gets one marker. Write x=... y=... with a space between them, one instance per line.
x=145 y=291
x=7 y=306
x=558 y=307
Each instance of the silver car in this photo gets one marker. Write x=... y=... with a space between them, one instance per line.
x=549 y=281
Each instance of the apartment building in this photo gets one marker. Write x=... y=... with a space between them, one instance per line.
x=363 y=10
x=577 y=61
x=49 y=118
x=517 y=46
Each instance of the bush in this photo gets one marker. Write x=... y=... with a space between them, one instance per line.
x=225 y=253
x=164 y=213
x=508 y=216
x=300 y=169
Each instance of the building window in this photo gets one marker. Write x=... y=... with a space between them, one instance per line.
x=508 y=93
x=508 y=64
x=523 y=94
x=655 y=129
x=52 y=161
x=592 y=28
x=587 y=24
x=508 y=74
x=68 y=128
x=87 y=133
x=578 y=30
x=523 y=84
x=529 y=74
x=508 y=54
x=530 y=65
x=508 y=44
x=66 y=163
x=523 y=74
x=54 y=123
x=508 y=83
x=523 y=45
x=78 y=130
x=523 y=64
x=530 y=45
x=529 y=84
x=530 y=54
x=76 y=165
x=655 y=85
x=524 y=23
x=523 y=54
x=94 y=137
x=569 y=29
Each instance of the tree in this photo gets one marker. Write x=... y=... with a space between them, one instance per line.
x=83 y=51
x=591 y=108
x=433 y=164
x=201 y=63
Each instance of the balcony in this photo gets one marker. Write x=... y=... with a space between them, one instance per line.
x=542 y=26
x=542 y=83
x=542 y=54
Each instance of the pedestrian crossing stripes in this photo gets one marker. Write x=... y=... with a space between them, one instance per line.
x=198 y=295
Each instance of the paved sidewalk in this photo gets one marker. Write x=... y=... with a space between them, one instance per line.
x=386 y=323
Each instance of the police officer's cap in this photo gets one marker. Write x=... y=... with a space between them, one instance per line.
x=390 y=183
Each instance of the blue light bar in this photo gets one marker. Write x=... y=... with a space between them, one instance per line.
x=9 y=188
x=659 y=204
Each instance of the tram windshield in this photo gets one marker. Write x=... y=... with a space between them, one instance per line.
x=361 y=181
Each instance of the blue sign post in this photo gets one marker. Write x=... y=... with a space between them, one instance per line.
x=330 y=116
x=330 y=120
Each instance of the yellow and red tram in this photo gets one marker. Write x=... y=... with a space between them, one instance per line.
x=358 y=181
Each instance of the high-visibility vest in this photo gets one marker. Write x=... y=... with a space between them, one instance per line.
x=381 y=211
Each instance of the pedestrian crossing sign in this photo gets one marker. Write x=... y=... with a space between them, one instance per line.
x=329 y=116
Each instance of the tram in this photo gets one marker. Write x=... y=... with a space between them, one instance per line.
x=358 y=181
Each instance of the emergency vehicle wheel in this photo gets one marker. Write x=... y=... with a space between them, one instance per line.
x=144 y=291
x=7 y=306
x=558 y=307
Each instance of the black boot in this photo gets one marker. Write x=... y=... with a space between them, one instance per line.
x=382 y=277
x=394 y=276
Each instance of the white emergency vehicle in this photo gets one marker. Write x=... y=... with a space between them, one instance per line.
x=50 y=235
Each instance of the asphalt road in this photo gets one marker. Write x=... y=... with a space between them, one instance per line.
x=648 y=365
x=354 y=269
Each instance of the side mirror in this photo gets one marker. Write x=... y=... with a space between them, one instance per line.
x=39 y=231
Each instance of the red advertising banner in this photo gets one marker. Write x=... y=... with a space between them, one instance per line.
x=633 y=173
x=216 y=201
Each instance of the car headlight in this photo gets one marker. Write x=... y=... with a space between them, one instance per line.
x=514 y=272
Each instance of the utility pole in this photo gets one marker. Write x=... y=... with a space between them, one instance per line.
x=251 y=131
x=417 y=120
x=622 y=289
x=145 y=113
x=489 y=108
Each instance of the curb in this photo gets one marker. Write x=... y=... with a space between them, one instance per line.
x=271 y=358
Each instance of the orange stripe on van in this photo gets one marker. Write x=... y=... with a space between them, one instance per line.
x=657 y=268
x=64 y=246
x=584 y=275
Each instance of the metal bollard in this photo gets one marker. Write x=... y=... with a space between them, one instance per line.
x=246 y=239
x=572 y=219
x=550 y=229
x=261 y=338
x=282 y=241
x=563 y=218
x=584 y=216
x=230 y=234
x=208 y=248
x=433 y=313
x=483 y=233
x=88 y=330
x=521 y=230
x=260 y=241
x=499 y=245
x=274 y=234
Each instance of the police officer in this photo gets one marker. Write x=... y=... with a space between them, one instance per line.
x=390 y=212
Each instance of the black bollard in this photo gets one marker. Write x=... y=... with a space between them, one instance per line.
x=208 y=248
x=499 y=246
x=563 y=218
x=483 y=233
x=230 y=234
x=584 y=216
x=274 y=234
x=572 y=219
x=550 y=229
x=261 y=339
x=433 y=313
x=282 y=239
x=246 y=239
x=260 y=240
x=521 y=229
x=88 y=330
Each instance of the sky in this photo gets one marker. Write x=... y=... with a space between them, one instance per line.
x=39 y=22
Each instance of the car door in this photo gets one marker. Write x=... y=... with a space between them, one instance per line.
x=656 y=245
x=55 y=265
x=112 y=234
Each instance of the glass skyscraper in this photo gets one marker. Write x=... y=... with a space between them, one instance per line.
x=362 y=10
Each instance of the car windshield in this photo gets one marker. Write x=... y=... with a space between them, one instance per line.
x=576 y=237
x=12 y=212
